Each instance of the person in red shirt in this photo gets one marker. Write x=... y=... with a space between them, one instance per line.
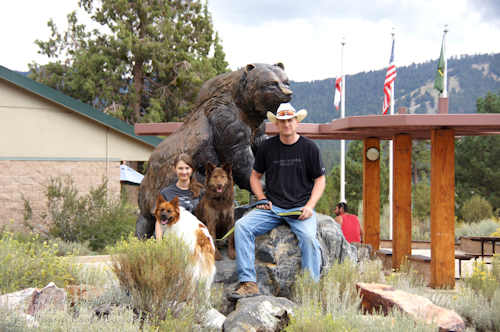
x=349 y=223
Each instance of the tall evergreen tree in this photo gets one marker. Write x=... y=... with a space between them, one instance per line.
x=477 y=161
x=149 y=66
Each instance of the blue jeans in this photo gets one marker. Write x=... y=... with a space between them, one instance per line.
x=258 y=222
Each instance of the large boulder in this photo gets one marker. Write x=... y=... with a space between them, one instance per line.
x=277 y=257
x=253 y=313
x=31 y=301
x=384 y=297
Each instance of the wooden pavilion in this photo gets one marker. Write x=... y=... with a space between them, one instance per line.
x=441 y=129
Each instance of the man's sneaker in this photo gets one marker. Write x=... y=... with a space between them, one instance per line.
x=244 y=290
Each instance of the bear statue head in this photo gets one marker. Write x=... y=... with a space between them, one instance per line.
x=266 y=87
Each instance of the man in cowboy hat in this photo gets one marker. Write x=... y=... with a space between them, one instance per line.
x=295 y=180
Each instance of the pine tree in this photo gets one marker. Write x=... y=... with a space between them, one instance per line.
x=148 y=68
x=477 y=161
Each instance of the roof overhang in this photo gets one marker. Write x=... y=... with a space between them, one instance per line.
x=74 y=105
x=380 y=126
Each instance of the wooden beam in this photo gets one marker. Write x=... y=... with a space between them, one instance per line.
x=401 y=203
x=371 y=195
x=443 y=208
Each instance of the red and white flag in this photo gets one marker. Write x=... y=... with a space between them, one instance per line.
x=390 y=76
x=338 y=91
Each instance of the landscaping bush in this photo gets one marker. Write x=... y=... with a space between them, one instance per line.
x=157 y=277
x=421 y=229
x=96 y=217
x=72 y=248
x=479 y=311
x=421 y=199
x=334 y=305
x=476 y=209
x=485 y=280
x=483 y=228
x=80 y=318
x=385 y=223
x=407 y=279
x=35 y=264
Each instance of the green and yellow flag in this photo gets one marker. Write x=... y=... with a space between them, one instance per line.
x=439 y=82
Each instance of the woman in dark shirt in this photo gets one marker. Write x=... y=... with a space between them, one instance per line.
x=187 y=188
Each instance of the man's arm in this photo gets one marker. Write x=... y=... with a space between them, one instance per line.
x=257 y=189
x=361 y=230
x=317 y=192
x=339 y=220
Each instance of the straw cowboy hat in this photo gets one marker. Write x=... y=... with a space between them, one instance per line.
x=286 y=111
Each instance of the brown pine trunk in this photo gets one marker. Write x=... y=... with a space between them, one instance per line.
x=137 y=82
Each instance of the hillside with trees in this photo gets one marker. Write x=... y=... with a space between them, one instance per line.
x=469 y=78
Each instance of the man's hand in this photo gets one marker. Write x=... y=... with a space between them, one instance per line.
x=265 y=206
x=307 y=212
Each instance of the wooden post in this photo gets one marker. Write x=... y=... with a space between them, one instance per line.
x=442 y=208
x=401 y=202
x=371 y=195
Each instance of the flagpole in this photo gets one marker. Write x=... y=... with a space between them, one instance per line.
x=391 y=156
x=445 y=91
x=342 y=115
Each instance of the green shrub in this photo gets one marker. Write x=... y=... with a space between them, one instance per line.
x=421 y=229
x=476 y=209
x=96 y=217
x=35 y=264
x=157 y=278
x=479 y=311
x=100 y=275
x=72 y=248
x=407 y=279
x=372 y=272
x=385 y=223
x=484 y=280
x=421 y=199
x=483 y=228
x=241 y=196
x=80 y=318
x=334 y=305
x=311 y=319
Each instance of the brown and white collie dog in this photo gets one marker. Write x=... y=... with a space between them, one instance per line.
x=172 y=218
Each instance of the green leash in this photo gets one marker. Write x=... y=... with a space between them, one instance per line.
x=291 y=214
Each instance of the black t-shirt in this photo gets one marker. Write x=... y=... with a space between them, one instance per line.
x=186 y=199
x=290 y=170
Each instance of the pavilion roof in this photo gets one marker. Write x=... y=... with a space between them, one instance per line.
x=381 y=126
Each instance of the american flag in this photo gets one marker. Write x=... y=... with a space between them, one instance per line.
x=389 y=80
x=338 y=90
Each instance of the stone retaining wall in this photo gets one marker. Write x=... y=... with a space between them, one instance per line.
x=467 y=245
x=25 y=177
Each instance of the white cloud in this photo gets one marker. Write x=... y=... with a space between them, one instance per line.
x=304 y=35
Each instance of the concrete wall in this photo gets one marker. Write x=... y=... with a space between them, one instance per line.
x=25 y=177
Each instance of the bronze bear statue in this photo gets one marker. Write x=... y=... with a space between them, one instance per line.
x=226 y=124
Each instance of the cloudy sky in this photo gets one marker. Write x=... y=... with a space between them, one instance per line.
x=305 y=36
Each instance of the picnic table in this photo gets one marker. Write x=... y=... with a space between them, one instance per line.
x=483 y=239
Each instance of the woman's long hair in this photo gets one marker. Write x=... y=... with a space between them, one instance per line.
x=194 y=186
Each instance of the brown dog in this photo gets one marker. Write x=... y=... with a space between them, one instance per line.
x=171 y=218
x=216 y=208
